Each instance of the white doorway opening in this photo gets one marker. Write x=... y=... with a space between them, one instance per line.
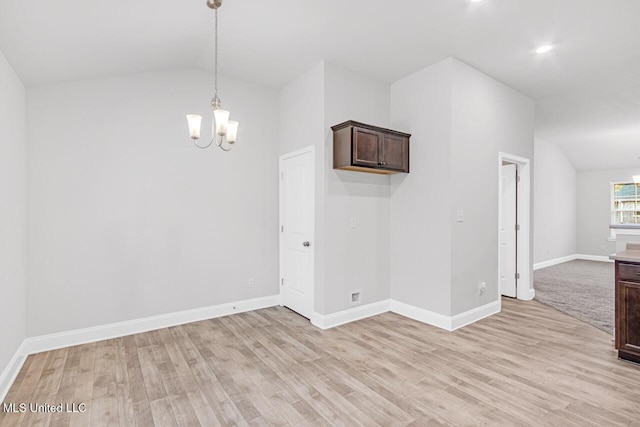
x=509 y=230
x=297 y=242
x=514 y=227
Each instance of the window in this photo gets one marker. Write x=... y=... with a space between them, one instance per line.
x=625 y=207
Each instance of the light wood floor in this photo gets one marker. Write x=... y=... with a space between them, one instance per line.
x=529 y=365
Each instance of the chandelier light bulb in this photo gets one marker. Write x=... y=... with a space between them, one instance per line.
x=221 y=118
x=232 y=131
x=194 y=121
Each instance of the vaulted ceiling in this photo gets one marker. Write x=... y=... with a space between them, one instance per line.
x=587 y=88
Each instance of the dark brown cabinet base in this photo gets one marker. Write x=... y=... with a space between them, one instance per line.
x=628 y=311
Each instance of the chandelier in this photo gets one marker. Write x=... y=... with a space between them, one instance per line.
x=222 y=128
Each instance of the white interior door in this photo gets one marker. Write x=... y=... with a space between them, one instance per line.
x=296 y=231
x=508 y=234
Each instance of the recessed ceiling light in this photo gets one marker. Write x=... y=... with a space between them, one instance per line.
x=544 y=48
x=475 y=1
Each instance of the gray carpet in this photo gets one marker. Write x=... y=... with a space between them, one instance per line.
x=582 y=289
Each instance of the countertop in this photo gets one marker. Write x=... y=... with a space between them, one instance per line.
x=630 y=255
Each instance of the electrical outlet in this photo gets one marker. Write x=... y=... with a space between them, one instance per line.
x=252 y=283
x=482 y=287
x=355 y=297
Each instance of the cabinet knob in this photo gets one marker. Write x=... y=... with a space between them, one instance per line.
x=306 y=244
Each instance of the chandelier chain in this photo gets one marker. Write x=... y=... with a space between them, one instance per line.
x=216 y=56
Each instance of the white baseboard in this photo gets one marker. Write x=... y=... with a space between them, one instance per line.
x=327 y=321
x=478 y=313
x=555 y=261
x=567 y=258
x=527 y=295
x=421 y=315
x=120 y=329
x=448 y=323
x=10 y=373
x=601 y=258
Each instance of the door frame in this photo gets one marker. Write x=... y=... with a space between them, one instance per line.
x=524 y=285
x=312 y=151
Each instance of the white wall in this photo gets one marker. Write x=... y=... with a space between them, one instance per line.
x=128 y=219
x=355 y=259
x=460 y=119
x=594 y=209
x=346 y=259
x=555 y=203
x=301 y=111
x=13 y=205
x=301 y=124
x=420 y=270
x=488 y=117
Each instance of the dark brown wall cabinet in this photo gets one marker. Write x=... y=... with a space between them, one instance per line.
x=366 y=148
x=628 y=310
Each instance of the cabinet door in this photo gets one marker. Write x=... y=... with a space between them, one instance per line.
x=394 y=153
x=366 y=147
x=628 y=316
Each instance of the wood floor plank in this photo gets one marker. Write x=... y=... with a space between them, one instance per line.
x=104 y=404
x=123 y=385
x=151 y=374
x=22 y=391
x=162 y=412
x=526 y=366
x=83 y=393
x=47 y=388
x=183 y=411
x=204 y=412
x=177 y=396
x=67 y=387
x=137 y=389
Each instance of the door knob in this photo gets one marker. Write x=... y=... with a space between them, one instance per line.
x=306 y=244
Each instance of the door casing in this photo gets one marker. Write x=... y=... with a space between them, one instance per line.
x=525 y=289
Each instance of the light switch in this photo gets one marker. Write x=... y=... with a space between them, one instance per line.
x=354 y=222
x=460 y=216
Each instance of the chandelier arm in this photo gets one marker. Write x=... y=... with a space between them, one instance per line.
x=222 y=147
x=204 y=146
